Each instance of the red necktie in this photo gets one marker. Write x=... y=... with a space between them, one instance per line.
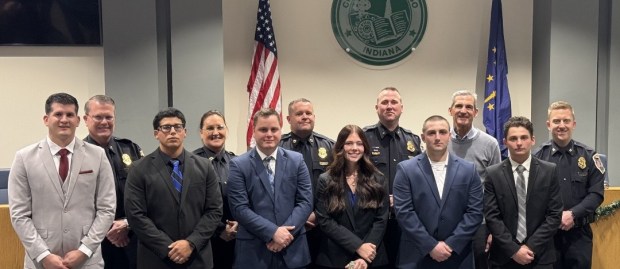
x=63 y=168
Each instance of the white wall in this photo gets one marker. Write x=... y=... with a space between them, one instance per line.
x=452 y=55
x=28 y=75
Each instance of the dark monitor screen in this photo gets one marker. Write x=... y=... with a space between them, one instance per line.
x=50 y=22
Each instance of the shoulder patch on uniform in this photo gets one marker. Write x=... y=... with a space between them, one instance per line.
x=598 y=163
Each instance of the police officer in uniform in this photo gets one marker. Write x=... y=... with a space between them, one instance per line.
x=317 y=152
x=120 y=245
x=581 y=185
x=213 y=132
x=389 y=145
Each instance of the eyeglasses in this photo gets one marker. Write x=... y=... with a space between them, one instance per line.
x=212 y=128
x=101 y=118
x=167 y=128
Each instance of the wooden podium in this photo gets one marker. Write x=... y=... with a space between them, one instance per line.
x=606 y=233
x=12 y=252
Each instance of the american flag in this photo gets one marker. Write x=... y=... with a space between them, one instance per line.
x=264 y=82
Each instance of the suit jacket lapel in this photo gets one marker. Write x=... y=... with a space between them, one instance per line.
x=532 y=178
x=510 y=180
x=427 y=171
x=350 y=212
x=451 y=171
x=158 y=165
x=261 y=172
x=281 y=167
x=188 y=174
x=77 y=159
x=52 y=173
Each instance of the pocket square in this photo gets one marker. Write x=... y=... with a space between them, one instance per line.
x=86 y=172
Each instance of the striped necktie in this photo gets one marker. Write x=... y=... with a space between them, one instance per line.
x=177 y=176
x=521 y=196
x=269 y=171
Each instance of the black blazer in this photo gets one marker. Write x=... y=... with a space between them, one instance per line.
x=159 y=215
x=544 y=211
x=345 y=232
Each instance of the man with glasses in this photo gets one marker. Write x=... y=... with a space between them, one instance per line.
x=173 y=200
x=119 y=246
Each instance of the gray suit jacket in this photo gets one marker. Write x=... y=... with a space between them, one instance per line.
x=46 y=218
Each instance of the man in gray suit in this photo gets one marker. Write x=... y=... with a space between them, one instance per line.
x=61 y=193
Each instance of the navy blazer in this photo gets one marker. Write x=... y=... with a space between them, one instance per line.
x=426 y=219
x=260 y=211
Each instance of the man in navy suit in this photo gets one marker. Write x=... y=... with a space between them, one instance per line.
x=270 y=195
x=438 y=204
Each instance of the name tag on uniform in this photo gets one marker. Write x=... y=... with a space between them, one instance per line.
x=375 y=151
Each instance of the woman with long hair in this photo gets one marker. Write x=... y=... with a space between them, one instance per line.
x=352 y=206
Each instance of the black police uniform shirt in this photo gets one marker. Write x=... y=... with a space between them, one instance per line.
x=581 y=177
x=121 y=153
x=387 y=148
x=316 y=149
x=220 y=162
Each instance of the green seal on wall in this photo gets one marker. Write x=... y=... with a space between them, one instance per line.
x=379 y=32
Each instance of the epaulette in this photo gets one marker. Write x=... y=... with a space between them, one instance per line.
x=582 y=145
x=370 y=127
x=286 y=136
x=231 y=153
x=320 y=136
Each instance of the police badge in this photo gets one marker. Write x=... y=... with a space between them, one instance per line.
x=581 y=162
x=410 y=146
x=126 y=159
x=322 y=153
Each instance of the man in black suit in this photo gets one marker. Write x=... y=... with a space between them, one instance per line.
x=173 y=201
x=523 y=206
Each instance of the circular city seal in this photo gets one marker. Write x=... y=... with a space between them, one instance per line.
x=379 y=33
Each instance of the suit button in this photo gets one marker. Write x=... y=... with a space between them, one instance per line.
x=66 y=230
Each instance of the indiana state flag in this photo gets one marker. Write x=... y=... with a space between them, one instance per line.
x=496 y=96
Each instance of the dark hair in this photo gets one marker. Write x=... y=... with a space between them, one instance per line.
x=434 y=118
x=265 y=113
x=518 y=121
x=369 y=191
x=60 y=98
x=104 y=99
x=170 y=112
x=209 y=114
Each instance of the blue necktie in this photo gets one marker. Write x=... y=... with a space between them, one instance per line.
x=177 y=176
x=269 y=171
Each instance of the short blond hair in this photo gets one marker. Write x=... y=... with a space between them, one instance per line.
x=560 y=105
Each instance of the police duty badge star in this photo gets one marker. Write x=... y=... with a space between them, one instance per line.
x=379 y=33
x=126 y=159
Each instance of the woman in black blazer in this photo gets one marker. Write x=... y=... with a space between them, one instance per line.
x=352 y=206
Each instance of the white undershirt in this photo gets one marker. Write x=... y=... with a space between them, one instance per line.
x=439 y=171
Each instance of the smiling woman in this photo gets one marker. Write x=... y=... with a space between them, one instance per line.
x=352 y=194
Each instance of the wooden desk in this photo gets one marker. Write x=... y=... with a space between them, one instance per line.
x=12 y=252
x=606 y=233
